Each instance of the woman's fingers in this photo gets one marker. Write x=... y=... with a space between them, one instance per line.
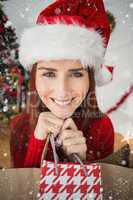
x=69 y=124
x=66 y=134
x=53 y=119
x=74 y=141
x=52 y=128
x=79 y=149
x=47 y=122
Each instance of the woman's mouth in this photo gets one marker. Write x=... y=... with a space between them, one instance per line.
x=62 y=102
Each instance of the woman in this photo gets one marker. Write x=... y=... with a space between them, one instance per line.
x=64 y=53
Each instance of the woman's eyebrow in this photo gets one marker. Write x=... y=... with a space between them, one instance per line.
x=78 y=69
x=52 y=69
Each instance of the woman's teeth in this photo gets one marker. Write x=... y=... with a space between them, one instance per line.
x=62 y=103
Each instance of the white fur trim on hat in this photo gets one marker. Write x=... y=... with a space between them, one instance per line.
x=61 y=41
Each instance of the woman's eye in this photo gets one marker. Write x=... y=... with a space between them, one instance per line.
x=77 y=74
x=49 y=74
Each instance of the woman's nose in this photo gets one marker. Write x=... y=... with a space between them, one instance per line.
x=63 y=88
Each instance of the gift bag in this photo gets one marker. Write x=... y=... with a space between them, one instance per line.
x=61 y=181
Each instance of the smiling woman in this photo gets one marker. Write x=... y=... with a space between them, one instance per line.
x=64 y=56
x=67 y=85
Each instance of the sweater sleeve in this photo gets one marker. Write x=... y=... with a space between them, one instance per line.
x=34 y=152
x=26 y=150
x=19 y=137
x=100 y=140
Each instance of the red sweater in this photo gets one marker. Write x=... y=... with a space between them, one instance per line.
x=26 y=150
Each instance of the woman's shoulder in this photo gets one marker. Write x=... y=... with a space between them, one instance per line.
x=103 y=120
x=103 y=127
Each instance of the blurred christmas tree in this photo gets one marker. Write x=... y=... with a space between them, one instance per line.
x=13 y=85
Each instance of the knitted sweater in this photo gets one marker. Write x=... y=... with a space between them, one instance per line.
x=26 y=150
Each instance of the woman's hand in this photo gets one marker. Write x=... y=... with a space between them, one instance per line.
x=72 y=139
x=47 y=122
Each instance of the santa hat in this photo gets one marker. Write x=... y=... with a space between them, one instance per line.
x=69 y=29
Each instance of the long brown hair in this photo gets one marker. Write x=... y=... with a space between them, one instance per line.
x=87 y=110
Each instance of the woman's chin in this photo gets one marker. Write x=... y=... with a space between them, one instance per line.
x=63 y=115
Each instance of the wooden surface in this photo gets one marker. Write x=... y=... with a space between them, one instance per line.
x=117 y=182
x=22 y=184
x=5 y=159
x=19 y=184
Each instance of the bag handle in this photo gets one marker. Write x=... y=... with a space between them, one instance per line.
x=45 y=149
x=50 y=138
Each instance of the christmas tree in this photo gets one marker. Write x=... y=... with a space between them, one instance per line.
x=13 y=85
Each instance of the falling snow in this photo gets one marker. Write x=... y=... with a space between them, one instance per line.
x=27 y=9
x=101 y=190
x=22 y=15
x=123 y=162
x=3 y=169
x=31 y=192
x=131 y=152
x=127 y=15
x=68 y=9
x=131 y=5
x=38 y=195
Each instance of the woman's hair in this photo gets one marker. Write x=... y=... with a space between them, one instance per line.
x=87 y=110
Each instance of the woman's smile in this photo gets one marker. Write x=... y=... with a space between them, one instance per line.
x=62 y=103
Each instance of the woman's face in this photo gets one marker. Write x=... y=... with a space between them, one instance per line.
x=62 y=85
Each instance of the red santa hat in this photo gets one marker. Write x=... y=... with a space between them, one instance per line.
x=69 y=29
